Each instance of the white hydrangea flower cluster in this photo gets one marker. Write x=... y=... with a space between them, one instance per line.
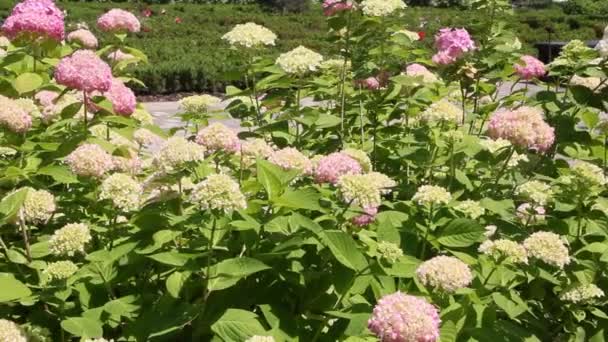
x=389 y=251
x=489 y=230
x=517 y=158
x=145 y=137
x=470 y=208
x=291 y=159
x=70 y=239
x=537 y=191
x=29 y=106
x=495 y=145
x=431 y=195
x=250 y=35
x=90 y=160
x=508 y=250
x=548 y=247
x=529 y=213
x=299 y=61
x=381 y=8
x=60 y=270
x=252 y=149
x=587 y=175
x=218 y=137
x=38 y=206
x=11 y=332
x=176 y=152
x=198 y=104
x=259 y=338
x=124 y=192
x=361 y=157
x=364 y=190
x=218 y=192
x=442 y=111
x=582 y=294
x=143 y=116
x=444 y=273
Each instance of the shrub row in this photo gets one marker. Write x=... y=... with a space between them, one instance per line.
x=190 y=55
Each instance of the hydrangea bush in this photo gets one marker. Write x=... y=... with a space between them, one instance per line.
x=424 y=194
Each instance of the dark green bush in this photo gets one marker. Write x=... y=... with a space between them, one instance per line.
x=596 y=8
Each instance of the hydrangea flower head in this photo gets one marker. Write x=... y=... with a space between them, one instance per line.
x=198 y=104
x=218 y=192
x=403 y=318
x=470 y=208
x=364 y=190
x=523 y=127
x=588 y=175
x=582 y=294
x=60 y=270
x=431 y=195
x=85 y=71
x=299 y=61
x=70 y=239
x=124 y=192
x=259 y=338
x=442 y=111
x=540 y=193
x=508 y=250
x=90 y=160
x=419 y=70
x=38 y=206
x=13 y=116
x=250 y=35
x=452 y=44
x=218 y=137
x=118 y=20
x=122 y=98
x=359 y=156
x=529 y=213
x=381 y=8
x=548 y=247
x=176 y=152
x=333 y=166
x=389 y=251
x=530 y=68
x=34 y=19
x=444 y=273
x=332 y=7
x=10 y=331
x=84 y=37
x=252 y=149
x=291 y=159
x=366 y=218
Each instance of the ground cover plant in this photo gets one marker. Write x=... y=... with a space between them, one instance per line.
x=423 y=196
x=183 y=41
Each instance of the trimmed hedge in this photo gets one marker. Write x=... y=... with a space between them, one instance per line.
x=191 y=57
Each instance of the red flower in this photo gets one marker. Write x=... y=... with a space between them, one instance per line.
x=178 y=20
x=147 y=13
x=421 y=35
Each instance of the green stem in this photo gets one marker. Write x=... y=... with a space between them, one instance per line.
x=84 y=104
x=361 y=117
x=208 y=266
x=501 y=172
x=26 y=239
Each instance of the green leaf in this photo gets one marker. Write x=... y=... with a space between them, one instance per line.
x=175 y=282
x=503 y=208
x=237 y=325
x=269 y=178
x=345 y=249
x=27 y=82
x=300 y=199
x=83 y=327
x=10 y=204
x=174 y=258
x=512 y=308
x=461 y=233
x=228 y=272
x=60 y=174
x=12 y=289
x=327 y=121
x=121 y=306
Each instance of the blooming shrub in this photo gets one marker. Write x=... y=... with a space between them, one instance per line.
x=422 y=204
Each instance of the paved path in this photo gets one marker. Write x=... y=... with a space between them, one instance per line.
x=164 y=113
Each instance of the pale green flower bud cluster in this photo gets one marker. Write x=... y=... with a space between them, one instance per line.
x=442 y=111
x=548 y=247
x=381 y=8
x=60 y=270
x=539 y=192
x=361 y=157
x=250 y=35
x=218 y=192
x=389 y=251
x=431 y=195
x=471 y=209
x=176 y=152
x=198 y=104
x=582 y=294
x=70 y=239
x=587 y=175
x=124 y=192
x=508 y=250
x=11 y=332
x=364 y=190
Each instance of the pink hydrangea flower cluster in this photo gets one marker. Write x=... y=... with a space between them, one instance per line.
x=403 y=318
x=117 y=20
x=85 y=71
x=46 y=97
x=368 y=216
x=530 y=68
x=90 y=160
x=374 y=82
x=291 y=159
x=451 y=45
x=419 y=70
x=35 y=19
x=524 y=127
x=331 y=7
x=217 y=137
x=119 y=56
x=333 y=166
x=13 y=116
x=122 y=98
x=83 y=37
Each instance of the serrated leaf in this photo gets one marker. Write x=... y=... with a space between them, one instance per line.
x=173 y=258
x=344 y=249
x=60 y=174
x=300 y=199
x=83 y=327
x=228 y=272
x=460 y=233
x=237 y=325
x=175 y=282
x=12 y=289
